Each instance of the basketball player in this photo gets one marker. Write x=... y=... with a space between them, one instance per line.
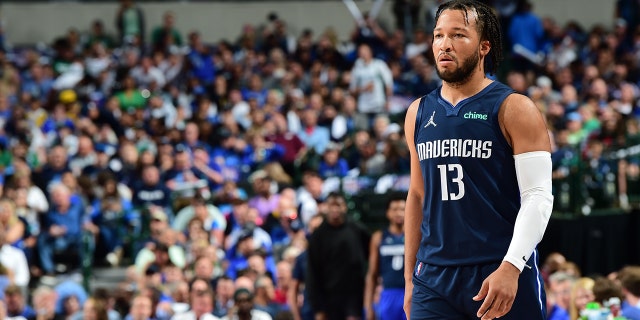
x=386 y=260
x=480 y=194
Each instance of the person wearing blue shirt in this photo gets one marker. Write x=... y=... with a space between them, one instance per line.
x=331 y=164
x=526 y=31
x=255 y=91
x=36 y=84
x=262 y=151
x=240 y=254
x=110 y=217
x=557 y=313
x=61 y=227
x=200 y=60
x=233 y=156
x=313 y=136
x=630 y=280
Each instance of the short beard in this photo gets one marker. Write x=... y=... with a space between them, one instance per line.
x=461 y=75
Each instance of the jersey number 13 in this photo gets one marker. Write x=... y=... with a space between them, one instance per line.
x=451 y=172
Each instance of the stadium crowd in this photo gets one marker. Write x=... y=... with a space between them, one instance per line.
x=205 y=167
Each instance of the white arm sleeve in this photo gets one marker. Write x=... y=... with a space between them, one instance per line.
x=533 y=170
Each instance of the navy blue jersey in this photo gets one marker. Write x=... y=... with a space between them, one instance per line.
x=392 y=260
x=471 y=191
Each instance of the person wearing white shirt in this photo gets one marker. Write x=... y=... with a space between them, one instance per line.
x=371 y=82
x=147 y=73
x=14 y=259
x=200 y=302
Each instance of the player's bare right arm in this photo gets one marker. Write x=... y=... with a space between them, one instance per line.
x=413 y=208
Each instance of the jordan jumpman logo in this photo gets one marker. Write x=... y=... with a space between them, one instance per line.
x=431 y=120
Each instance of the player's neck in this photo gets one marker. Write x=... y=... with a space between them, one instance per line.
x=456 y=92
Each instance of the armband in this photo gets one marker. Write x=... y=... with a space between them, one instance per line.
x=533 y=170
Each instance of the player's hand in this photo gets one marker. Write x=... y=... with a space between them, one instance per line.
x=408 y=294
x=498 y=292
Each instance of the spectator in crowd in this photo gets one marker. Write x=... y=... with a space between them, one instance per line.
x=337 y=260
x=277 y=132
x=16 y=303
x=94 y=309
x=211 y=217
x=130 y=24
x=52 y=171
x=70 y=297
x=109 y=220
x=224 y=296
x=201 y=297
x=232 y=155
x=560 y=284
x=165 y=36
x=606 y=290
x=148 y=76
x=141 y=309
x=630 y=281
x=265 y=200
x=315 y=138
x=554 y=312
x=264 y=297
x=581 y=294
x=331 y=164
x=61 y=227
x=526 y=33
x=15 y=229
x=162 y=248
x=371 y=82
x=71 y=308
x=284 y=225
x=552 y=264
x=244 y=307
x=309 y=195
x=246 y=250
x=151 y=191
x=98 y=34
x=44 y=302
x=199 y=60
x=283 y=278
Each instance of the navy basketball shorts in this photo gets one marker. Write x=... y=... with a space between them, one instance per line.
x=391 y=305
x=447 y=292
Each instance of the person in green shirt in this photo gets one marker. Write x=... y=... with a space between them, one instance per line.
x=130 y=98
x=130 y=23
x=166 y=35
x=98 y=34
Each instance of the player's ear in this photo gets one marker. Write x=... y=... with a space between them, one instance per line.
x=485 y=47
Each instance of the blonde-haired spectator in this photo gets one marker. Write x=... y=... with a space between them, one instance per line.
x=581 y=294
x=14 y=228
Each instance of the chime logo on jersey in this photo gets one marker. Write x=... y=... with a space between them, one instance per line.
x=476 y=116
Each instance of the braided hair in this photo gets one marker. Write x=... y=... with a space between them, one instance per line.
x=487 y=24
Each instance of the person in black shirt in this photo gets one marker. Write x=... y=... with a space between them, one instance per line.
x=338 y=252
